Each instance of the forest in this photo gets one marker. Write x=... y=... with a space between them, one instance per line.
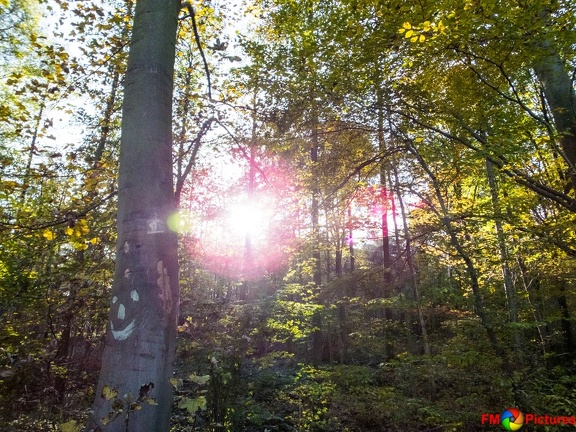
x=282 y=215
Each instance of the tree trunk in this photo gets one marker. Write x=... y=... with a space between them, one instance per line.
x=315 y=208
x=111 y=99
x=552 y=71
x=410 y=262
x=248 y=258
x=566 y=320
x=351 y=242
x=446 y=220
x=532 y=288
x=134 y=393
x=31 y=152
x=387 y=260
x=509 y=288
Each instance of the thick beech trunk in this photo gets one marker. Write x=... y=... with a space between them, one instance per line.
x=134 y=393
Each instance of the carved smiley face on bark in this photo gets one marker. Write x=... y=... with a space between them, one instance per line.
x=122 y=316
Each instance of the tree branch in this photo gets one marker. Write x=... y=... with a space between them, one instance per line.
x=192 y=15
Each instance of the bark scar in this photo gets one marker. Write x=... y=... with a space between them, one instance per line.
x=164 y=294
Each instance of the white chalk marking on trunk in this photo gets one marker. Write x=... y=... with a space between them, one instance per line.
x=156 y=225
x=123 y=334
x=134 y=295
x=121 y=312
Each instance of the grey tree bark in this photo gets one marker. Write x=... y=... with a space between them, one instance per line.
x=558 y=88
x=134 y=392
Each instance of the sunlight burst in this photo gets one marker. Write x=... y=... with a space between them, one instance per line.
x=249 y=218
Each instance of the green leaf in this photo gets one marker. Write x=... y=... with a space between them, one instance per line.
x=192 y=405
x=200 y=380
x=69 y=426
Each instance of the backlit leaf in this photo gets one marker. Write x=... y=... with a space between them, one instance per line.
x=108 y=393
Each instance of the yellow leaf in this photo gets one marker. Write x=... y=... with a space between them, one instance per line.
x=82 y=226
x=414 y=39
x=108 y=393
x=419 y=139
x=69 y=231
x=49 y=235
x=95 y=240
x=79 y=246
x=407 y=26
x=409 y=33
x=402 y=30
x=422 y=38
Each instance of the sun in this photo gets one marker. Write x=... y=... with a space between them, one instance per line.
x=249 y=218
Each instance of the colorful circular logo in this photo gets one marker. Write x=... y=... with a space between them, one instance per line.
x=512 y=419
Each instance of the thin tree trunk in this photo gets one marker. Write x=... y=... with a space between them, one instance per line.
x=28 y=170
x=317 y=336
x=315 y=207
x=387 y=262
x=248 y=260
x=566 y=320
x=111 y=100
x=532 y=288
x=351 y=242
x=134 y=392
x=445 y=219
x=410 y=262
x=107 y=119
x=509 y=287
